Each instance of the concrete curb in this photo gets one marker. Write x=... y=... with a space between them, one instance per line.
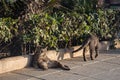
x=19 y=62
x=117 y=42
x=14 y=63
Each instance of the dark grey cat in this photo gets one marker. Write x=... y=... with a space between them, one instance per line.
x=93 y=43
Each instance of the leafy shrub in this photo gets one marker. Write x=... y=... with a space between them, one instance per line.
x=6 y=28
x=61 y=26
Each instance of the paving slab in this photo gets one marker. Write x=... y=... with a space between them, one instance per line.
x=110 y=75
x=89 y=78
x=105 y=67
x=87 y=70
x=63 y=76
x=115 y=60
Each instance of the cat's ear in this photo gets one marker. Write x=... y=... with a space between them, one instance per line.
x=44 y=49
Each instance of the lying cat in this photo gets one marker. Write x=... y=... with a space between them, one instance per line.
x=40 y=60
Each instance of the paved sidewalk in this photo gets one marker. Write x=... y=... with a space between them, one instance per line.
x=105 y=67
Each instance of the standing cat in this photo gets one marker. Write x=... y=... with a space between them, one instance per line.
x=93 y=43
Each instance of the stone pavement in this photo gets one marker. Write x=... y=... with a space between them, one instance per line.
x=105 y=67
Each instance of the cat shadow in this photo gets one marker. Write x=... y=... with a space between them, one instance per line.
x=62 y=53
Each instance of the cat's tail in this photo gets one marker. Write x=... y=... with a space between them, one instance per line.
x=83 y=46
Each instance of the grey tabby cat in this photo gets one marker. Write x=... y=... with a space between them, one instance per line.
x=40 y=60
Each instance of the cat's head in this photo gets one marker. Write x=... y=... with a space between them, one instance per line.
x=40 y=49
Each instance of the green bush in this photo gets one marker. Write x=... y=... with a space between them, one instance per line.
x=7 y=29
x=63 y=25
